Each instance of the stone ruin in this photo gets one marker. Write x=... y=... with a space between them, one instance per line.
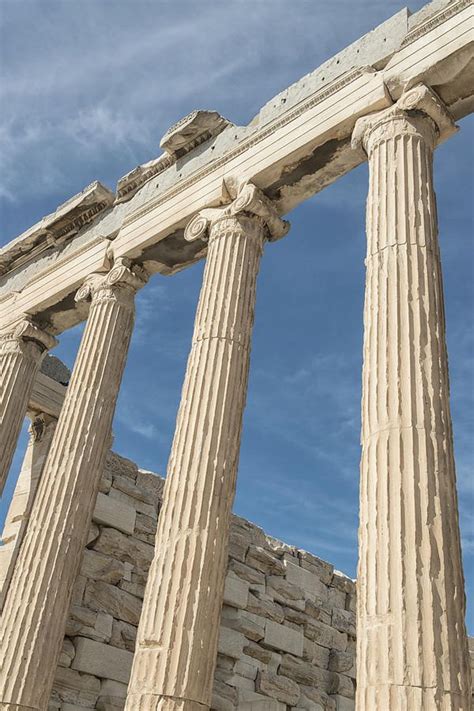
x=230 y=618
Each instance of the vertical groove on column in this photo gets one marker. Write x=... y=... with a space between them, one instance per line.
x=411 y=637
x=178 y=633
x=19 y=363
x=32 y=632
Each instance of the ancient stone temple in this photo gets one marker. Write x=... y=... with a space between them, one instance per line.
x=120 y=590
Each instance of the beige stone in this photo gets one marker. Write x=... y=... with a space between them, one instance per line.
x=102 y=660
x=110 y=512
x=191 y=587
x=284 y=638
x=278 y=687
x=48 y=562
x=411 y=646
x=22 y=347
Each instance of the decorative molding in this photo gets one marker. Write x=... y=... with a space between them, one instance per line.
x=56 y=228
x=256 y=137
x=433 y=22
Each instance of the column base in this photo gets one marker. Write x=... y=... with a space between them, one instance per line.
x=410 y=698
x=154 y=702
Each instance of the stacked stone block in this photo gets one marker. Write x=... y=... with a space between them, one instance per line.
x=287 y=637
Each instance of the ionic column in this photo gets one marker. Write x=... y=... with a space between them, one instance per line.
x=411 y=639
x=21 y=351
x=41 y=432
x=177 y=638
x=36 y=606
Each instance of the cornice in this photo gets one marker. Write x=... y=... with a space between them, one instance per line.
x=256 y=137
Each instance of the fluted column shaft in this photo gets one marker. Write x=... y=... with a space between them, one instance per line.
x=41 y=432
x=411 y=638
x=38 y=598
x=21 y=351
x=176 y=648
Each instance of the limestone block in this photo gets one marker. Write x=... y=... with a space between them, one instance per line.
x=103 y=660
x=316 y=654
x=116 y=465
x=286 y=592
x=344 y=621
x=252 y=626
x=259 y=653
x=236 y=591
x=94 y=532
x=262 y=705
x=123 y=635
x=67 y=653
x=238 y=546
x=261 y=559
x=72 y=687
x=337 y=598
x=231 y=643
x=117 y=602
x=138 y=504
x=125 y=484
x=265 y=607
x=318 y=696
x=342 y=685
x=323 y=570
x=281 y=637
x=309 y=582
x=98 y=566
x=278 y=687
x=114 y=513
x=326 y=636
x=124 y=548
x=248 y=671
x=304 y=672
x=319 y=610
x=151 y=482
x=343 y=703
x=342 y=582
x=136 y=589
x=340 y=661
x=247 y=573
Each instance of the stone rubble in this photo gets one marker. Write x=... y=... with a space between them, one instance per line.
x=287 y=635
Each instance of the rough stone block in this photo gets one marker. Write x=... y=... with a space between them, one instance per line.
x=283 y=638
x=231 y=643
x=278 y=687
x=261 y=559
x=265 y=607
x=103 y=660
x=343 y=703
x=98 y=566
x=117 y=602
x=252 y=626
x=307 y=581
x=325 y=635
x=114 y=513
x=236 y=591
x=344 y=621
x=72 y=687
x=124 y=548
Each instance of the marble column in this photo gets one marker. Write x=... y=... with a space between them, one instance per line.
x=411 y=638
x=41 y=432
x=177 y=638
x=21 y=351
x=37 y=602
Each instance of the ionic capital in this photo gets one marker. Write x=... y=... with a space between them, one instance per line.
x=123 y=280
x=27 y=332
x=418 y=110
x=250 y=202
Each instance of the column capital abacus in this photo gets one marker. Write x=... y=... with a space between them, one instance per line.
x=249 y=202
x=418 y=109
x=124 y=279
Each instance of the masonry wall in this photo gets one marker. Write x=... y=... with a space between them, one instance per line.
x=288 y=622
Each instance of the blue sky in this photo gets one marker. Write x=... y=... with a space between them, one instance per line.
x=87 y=90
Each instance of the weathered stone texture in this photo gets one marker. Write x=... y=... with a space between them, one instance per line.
x=277 y=649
